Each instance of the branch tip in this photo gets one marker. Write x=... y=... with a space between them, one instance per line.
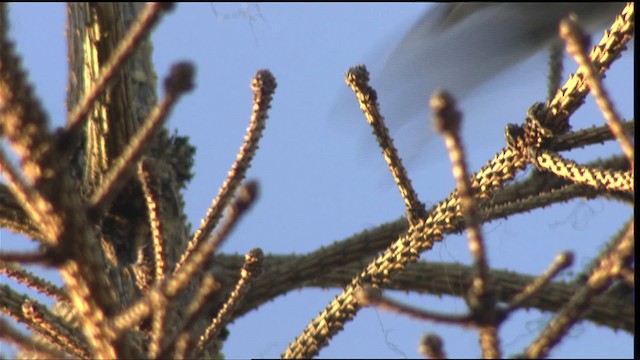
x=431 y=346
x=264 y=82
x=572 y=32
x=180 y=79
x=247 y=194
x=446 y=117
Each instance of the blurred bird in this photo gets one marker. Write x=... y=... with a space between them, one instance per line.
x=459 y=47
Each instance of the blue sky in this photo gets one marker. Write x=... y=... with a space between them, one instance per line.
x=321 y=174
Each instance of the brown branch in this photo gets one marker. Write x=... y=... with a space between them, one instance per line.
x=442 y=279
x=27 y=344
x=39 y=319
x=15 y=271
x=357 y=78
x=599 y=280
x=263 y=85
x=577 y=43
